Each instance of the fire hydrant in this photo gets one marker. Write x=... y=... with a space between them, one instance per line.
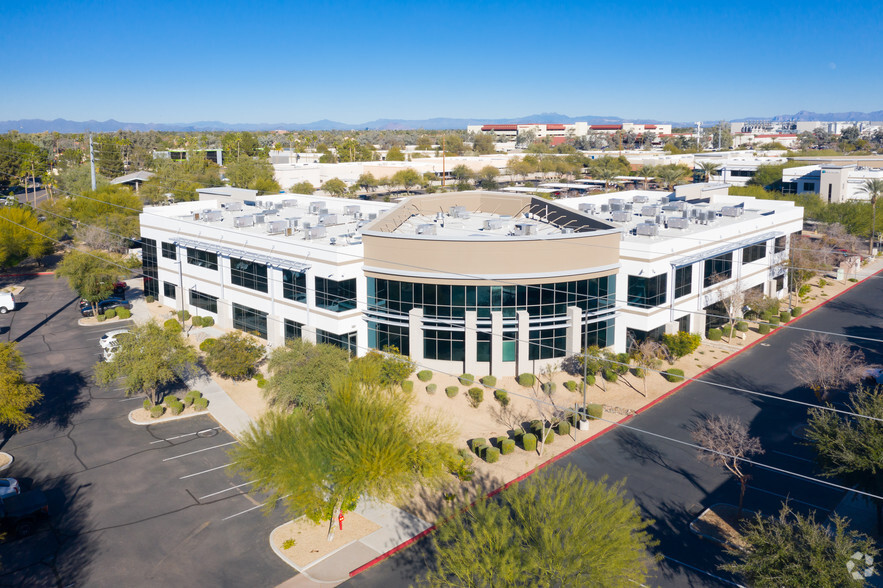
x=340 y=520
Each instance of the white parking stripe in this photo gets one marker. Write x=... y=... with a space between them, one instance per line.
x=686 y=565
x=205 y=471
x=184 y=435
x=128 y=399
x=790 y=499
x=225 y=490
x=252 y=508
x=200 y=450
x=792 y=456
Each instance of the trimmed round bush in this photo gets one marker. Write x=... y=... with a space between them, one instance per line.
x=715 y=334
x=187 y=400
x=101 y=318
x=110 y=313
x=741 y=326
x=147 y=404
x=517 y=432
x=169 y=400
x=492 y=455
x=499 y=440
x=424 y=375
x=407 y=386
x=466 y=379
x=796 y=311
x=526 y=380
x=183 y=315
x=157 y=411
x=124 y=312
x=430 y=388
x=610 y=375
x=200 y=403
x=674 y=375
x=481 y=450
x=474 y=444
x=176 y=407
x=549 y=388
x=207 y=344
x=595 y=411
x=563 y=428
x=475 y=396
x=196 y=321
x=529 y=442
x=638 y=372
x=763 y=328
x=172 y=325
x=262 y=381
x=590 y=380
x=550 y=437
x=149 y=299
x=208 y=321
x=451 y=391
x=571 y=385
x=536 y=427
x=785 y=316
x=193 y=395
x=489 y=381
x=775 y=320
x=502 y=397
x=507 y=446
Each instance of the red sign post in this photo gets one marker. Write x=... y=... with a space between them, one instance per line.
x=340 y=520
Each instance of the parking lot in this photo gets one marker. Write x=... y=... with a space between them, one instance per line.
x=130 y=505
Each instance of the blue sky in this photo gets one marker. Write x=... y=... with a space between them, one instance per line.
x=353 y=62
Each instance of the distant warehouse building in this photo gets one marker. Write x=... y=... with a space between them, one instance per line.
x=477 y=282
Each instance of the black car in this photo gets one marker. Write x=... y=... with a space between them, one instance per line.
x=103 y=306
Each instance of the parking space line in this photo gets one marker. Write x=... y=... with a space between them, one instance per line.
x=205 y=471
x=200 y=450
x=184 y=435
x=694 y=568
x=792 y=456
x=252 y=508
x=225 y=490
x=128 y=399
x=790 y=499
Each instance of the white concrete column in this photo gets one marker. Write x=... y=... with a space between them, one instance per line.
x=671 y=328
x=699 y=323
x=574 y=332
x=415 y=335
x=523 y=342
x=308 y=333
x=470 y=365
x=497 y=342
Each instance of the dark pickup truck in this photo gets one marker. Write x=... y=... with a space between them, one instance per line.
x=22 y=510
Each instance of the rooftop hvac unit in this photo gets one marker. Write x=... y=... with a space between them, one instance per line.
x=678 y=223
x=439 y=217
x=307 y=224
x=457 y=211
x=621 y=216
x=259 y=219
x=680 y=204
x=567 y=230
x=731 y=211
x=316 y=233
x=212 y=216
x=605 y=207
x=648 y=230
x=290 y=203
x=279 y=206
x=616 y=201
x=493 y=224
x=357 y=215
x=660 y=219
x=351 y=209
x=663 y=200
x=293 y=221
x=615 y=206
x=233 y=206
x=649 y=210
x=243 y=221
x=587 y=207
x=277 y=226
x=427 y=229
x=628 y=207
x=524 y=229
x=639 y=199
x=327 y=219
x=322 y=211
x=315 y=207
x=372 y=216
x=670 y=208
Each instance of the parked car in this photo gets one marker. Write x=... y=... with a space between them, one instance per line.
x=9 y=487
x=7 y=302
x=109 y=339
x=104 y=305
x=21 y=511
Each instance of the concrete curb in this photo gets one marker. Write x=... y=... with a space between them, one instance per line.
x=8 y=465
x=304 y=571
x=113 y=321
x=168 y=419
x=26 y=275
x=570 y=450
x=712 y=538
x=279 y=553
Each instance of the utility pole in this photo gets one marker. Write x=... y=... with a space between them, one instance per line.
x=699 y=134
x=444 y=171
x=92 y=162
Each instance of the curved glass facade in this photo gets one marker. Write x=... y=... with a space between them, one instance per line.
x=445 y=307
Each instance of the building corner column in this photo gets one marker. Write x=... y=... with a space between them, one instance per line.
x=415 y=335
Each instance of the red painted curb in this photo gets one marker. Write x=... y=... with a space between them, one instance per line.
x=570 y=450
x=26 y=275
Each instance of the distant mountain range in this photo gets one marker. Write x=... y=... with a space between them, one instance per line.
x=61 y=125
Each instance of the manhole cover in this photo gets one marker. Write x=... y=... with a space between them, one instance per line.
x=207 y=433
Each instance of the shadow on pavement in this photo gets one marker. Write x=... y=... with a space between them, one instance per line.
x=48 y=318
x=62 y=398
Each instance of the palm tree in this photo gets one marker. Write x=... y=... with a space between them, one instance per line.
x=873 y=188
x=647 y=172
x=708 y=168
x=671 y=174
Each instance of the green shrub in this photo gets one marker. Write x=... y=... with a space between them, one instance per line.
x=193 y=395
x=822 y=282
x=101 y=318
x=196 y=321
x=169 y=400
x=149 y=299
x=775 y=320
x=610 y=375
x=424 y=375
x=157 y=411
x=475 y=396
x=621 y=366
x=742 y=326
x=548 y=388
x=466 y=379
x=147 y=404
x=207 y=344
x=526 y=380
x=200 y=404
x=288 y=543
x=208 y=321
x=124 y=312
x=536 y=427
x=489 y=381
x=507 y=446
x=563 y=428
x=474 y=444
x=796 y=311
x=571 y=385
x=407 y=386
x=172 y=325
x=529 y=442
x=550 y=437
x=465 y=455
x=590 y=380
x=595 y=411
x=502 y=397
x=234 y=356
x=430 y=388
x=492 y=455
x=451 y=391
x=187 y=400
x=674 y=375
x=110 y=313
x=785 y=316
x=499 y=440
x=183 y=315
x=682 y=343
x=853 y=280
x=262 y=381
x=803 y=291
x=715 y=334
x=176 y=407
x=517 y=432
x=638 y=372
x=763 y=328
x=481 y=450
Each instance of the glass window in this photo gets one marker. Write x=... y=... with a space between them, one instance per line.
x=548 y=343
x=647 y=292
x=293 y=330
x=684 y=323
x=718 y=269
x=446 y=345
x=204 y=301
x=345 y=341
x=600 y=333
x=780 y=283
x=779 y=245
x=683 y=281
x=168 y=290
x=248 y=274
x=483 y=346
x=250 y=320
x=169 y=250
x=294 y=286
x=754 y=252
x=202 y=258
x=382 y=336
x=149 y=266
x=336 y=296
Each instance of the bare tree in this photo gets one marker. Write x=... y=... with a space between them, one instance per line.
x=98 y=238
x=728 y=444
x=807 y=258
x=732 y=296
x=544 y=400
x=647 y=355
x=824 y=365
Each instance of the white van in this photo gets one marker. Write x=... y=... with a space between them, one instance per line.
x=7 y=302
